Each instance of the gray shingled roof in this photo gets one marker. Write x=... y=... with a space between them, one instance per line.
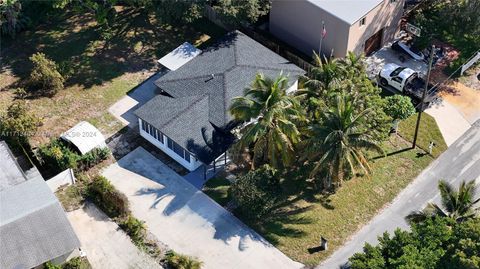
x=202 y=89
x=33 y=225
x=10 y=172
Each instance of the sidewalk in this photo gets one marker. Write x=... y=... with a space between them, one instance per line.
x=449 y=120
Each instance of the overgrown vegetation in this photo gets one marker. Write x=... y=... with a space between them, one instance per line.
x=135 y=228
x=461 y=29
x=440 y=238
x=74 y=263
x=45 y=80
x=18 y=124
x=107 y=198
x=180 y=261
x=58 y=156
x=256 y=193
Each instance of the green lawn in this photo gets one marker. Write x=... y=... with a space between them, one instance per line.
x=297 y=224
x=428 y=131
x=217 y=189
x=100 y=69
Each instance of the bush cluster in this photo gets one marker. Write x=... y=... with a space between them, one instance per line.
x=58 y=156
x=45 y=78
x=135 y=228
x=74 y=263
x=256 y=193
x=179 y=261
x=107 y=198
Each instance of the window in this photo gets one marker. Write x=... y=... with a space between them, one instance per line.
x=178 y=149
x=144 y=125
x=393 y=1
x=170 y=143
x=363 y=21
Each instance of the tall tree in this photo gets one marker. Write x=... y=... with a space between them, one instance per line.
x=458 y=205
x=437 y=243
x=336 y=143
x=271 y=117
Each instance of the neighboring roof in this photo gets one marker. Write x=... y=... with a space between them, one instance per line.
x=348 y=11
x=33 y=225
x=179 y=56
x=10 y=172
x=199 y=92
x=85 y=137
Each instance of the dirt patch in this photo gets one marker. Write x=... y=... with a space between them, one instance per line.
x=464 y=99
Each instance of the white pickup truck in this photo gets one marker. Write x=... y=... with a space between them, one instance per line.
x=404 y=80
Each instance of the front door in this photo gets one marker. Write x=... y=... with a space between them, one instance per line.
x=374 y=42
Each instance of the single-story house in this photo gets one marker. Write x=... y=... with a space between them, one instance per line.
x=33 y=226
x=360 y=26
x=84 y=137
x=189 y=120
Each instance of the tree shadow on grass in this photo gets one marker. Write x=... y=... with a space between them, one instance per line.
x=91 y=56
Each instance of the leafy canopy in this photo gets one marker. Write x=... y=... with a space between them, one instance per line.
x=45 y=78
x=271 y=116
x=437 y=243
x=337 y=141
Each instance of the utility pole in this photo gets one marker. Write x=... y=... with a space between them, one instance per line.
x=424 y=94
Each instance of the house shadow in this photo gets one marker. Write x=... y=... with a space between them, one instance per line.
x=175 y=195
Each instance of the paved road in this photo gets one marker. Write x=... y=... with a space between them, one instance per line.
x=187 y=220
x=460 y=162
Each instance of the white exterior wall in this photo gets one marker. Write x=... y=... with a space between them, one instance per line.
x=191 y=166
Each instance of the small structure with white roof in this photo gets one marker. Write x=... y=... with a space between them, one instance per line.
x=179 y=56
x=85 y=137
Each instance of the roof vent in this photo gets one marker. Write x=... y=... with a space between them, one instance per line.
x=212 y=76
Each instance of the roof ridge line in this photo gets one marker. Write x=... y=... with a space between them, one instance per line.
x=195 y=77
x=186 y=109
x=267 y=68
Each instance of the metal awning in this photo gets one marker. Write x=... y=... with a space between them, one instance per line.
x=85 y=137
x=179 y=56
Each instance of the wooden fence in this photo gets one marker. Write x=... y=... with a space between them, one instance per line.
x=268 y=41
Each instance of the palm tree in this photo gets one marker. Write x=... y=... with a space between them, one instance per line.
x=271 y=117
x=337 y=142
x=323 y=77
x=456 y=204
x=352 y=64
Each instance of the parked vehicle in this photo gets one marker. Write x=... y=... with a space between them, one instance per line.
x=407 y=50
x=406 y=81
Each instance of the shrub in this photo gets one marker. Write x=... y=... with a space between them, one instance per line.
x=18 y=124
x=107 y=198
x=256 y=193
x=45 y=77
x=77 y=263
x=135 y=228
x=179 y=261
x=58 y=156
x=92 y=158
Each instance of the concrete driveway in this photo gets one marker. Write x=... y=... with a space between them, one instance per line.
x=105 y=244
x=124 y=108
x=460 y=162
x=187 y=220
x=385 y=55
